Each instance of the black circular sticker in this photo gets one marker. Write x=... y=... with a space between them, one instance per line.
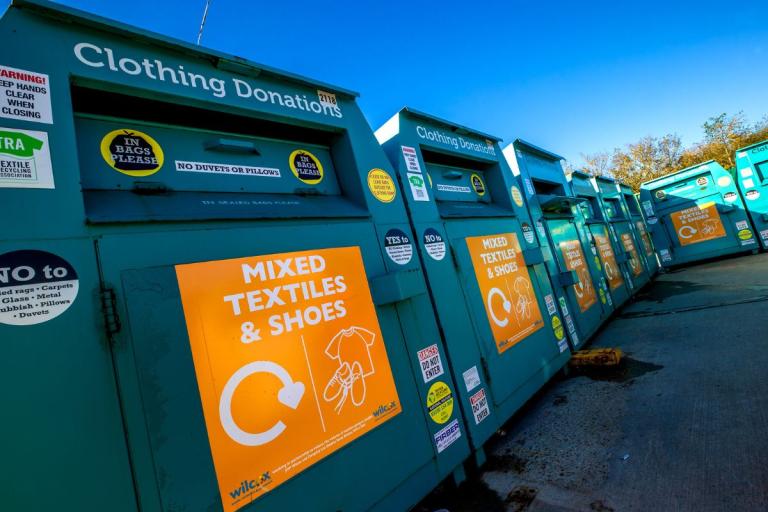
x=132 y=152
x=398 y=246
x=527 y=232
x=477 y=184
x=35 y=286
x=306 y=166
x=434 y=244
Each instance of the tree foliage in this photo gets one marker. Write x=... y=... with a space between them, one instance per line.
x=652 y=157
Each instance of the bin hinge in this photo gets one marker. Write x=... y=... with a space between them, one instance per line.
x=109 y=310
x=486 y=373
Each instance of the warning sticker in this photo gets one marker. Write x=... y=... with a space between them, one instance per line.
x=517 y=197
x=665 y=255
x=306 y=167
x=550 y=302
x=26 y=95
x=574 y=260
x=430 y=363
x=216 y=168
x=440 y=402
x=411 y=159
x=447 y=436
x=381 y=185
x=35 y=286
x=471 y=378
x=751 y=195
x=434 y=244
x=505 y=285
x=290 y=362
x=698 y=224
x=634 y=257
x=644 y=238
x=528 y=233
x=25 y=159
x=132 y=152
x=398 y=246
x=418 y=187
x=764 y=234
x=479 y=404
x=730 y=197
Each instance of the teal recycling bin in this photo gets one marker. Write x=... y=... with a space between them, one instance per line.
x=752 y=180
x=210 y=294
x=574 y=269
x=489 y=287
x=696 y=214
x=631 y=205
x=621 y=224
x=603 y=239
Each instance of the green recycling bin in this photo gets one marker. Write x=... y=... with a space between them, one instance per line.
x=576 y=272
x=602 y=239
x=498 y=315
x=696 y=214
x=620 y=223
x=752 y=180
x=210 y=297
x=631 y=205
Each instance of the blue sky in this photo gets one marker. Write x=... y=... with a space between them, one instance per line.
x=568 y=76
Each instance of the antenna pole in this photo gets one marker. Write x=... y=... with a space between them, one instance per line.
x=202 y=23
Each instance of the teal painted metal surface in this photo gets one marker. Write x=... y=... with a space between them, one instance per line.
x=145 y=154
x=752 y=180
x=483 y=262
x=621 y=224
x=603 y=238
x=631 y=204
x=574 y=268
x=696 y=214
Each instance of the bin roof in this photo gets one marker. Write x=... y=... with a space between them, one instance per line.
x=531 y=148
x=457 y=127
x=64 y=13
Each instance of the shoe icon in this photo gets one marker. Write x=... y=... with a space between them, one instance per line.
x=338 y=383
x=357 y=387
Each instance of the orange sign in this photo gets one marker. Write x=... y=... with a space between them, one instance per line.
x=290 y=363
x=644 y=237
x=608 y=258
x=508 y=295
x=634 y=258
x=698 y=224
x=574 y=260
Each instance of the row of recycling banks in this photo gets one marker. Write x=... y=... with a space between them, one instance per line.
x=243 y=298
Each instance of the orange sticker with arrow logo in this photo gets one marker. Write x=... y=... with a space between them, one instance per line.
x=574 y=260
x=290 y=363
x=697 y=224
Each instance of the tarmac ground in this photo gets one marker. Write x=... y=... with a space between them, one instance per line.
x=680 y=426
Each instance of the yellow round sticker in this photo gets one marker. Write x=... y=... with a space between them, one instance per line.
x=429 y=177
x=517 y=197
x=477 y=184
x=132 y=152
x=381 y=185
x=597 y=263
x=440 y=402
x=745 y=234
x=306 y=167
x=557 y=327
x=602 y=295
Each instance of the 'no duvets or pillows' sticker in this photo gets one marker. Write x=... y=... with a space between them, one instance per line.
x=35 y=286
x=306 y=167
x=381 y=185
x=132 y=152
x=434 y=244
x=398 y=246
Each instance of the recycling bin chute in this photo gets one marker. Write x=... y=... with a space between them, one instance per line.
x=503 y=333
x=630 y=250
x=603 y=238
x=571 y=258
x=639 y=228
x=217 y=275
x=696 y=214
x=752 y=180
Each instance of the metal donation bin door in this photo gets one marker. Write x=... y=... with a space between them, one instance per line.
x=493 y=300
x=696 y=214
x=631 y=206
x=752 y=179
x=602 y=238
x=620 y=224
x=262 y=299
x=575 y=270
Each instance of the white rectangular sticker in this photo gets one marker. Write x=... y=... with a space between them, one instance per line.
x=746 y=172
x=665 y=256
x=25 y=95
x=430 y=363
x=550 y=300
x=742 y=224
x=748 y=183
x=648 y=207
x=471 y=378
x=453 y=188
x=411 y=159
x=418 y=187
x=215 y=168
x=764 y=234
x=479 y=403
x=563 y=344
x=25 y=159
x=529 y=186
x=447 y=436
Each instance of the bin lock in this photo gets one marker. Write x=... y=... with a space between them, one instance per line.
x=397 y=286
x=568 y=278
